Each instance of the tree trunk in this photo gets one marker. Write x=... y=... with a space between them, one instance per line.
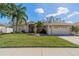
x=25 y=23
x=16 y=25
x=13 y=25
x=35 y=29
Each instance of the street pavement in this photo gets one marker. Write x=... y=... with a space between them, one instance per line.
x=39 y=51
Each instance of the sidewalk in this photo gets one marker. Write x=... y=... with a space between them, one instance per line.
x=39 y=51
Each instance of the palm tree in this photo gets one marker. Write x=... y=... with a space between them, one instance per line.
x=20 y=15
x=17 y=14
x=8 y=9
x=75 y=29
x=3 y=10
x=38 y=26
x=11 y=9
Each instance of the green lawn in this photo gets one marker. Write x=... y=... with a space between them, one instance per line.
x=24 y=40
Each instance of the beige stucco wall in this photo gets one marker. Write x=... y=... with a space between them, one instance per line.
x=22 y=27
x=26 y=28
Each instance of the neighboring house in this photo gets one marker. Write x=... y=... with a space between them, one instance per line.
x=5 y=29
x=77 y=24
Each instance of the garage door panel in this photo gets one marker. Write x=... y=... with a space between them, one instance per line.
x=60 y=31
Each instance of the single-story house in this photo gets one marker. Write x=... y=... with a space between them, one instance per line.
x=60 y=28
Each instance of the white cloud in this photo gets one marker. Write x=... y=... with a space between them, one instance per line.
x=69 y=22
x=51 y=15
x=73 y=14
x=60 y=10
x=39 y=10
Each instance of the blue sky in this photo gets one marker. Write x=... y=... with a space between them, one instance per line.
x=35 y=12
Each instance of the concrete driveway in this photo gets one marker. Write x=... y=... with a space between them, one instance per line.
x=73 y=39
x=39 y=51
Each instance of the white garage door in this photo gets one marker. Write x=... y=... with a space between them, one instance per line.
x=59 y=31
